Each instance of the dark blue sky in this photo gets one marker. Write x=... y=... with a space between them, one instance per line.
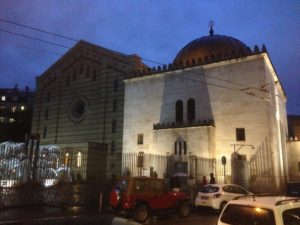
x=155 y=30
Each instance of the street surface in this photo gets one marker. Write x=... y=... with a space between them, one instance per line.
x=201 y=217
x=90 y=216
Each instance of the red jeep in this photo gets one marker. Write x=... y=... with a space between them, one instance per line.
x=140 y=195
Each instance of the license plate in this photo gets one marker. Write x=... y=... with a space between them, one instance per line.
x=205 y=197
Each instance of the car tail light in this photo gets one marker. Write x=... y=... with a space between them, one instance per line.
x=216 y=195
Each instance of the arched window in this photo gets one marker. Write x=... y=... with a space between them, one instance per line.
x=79 y=159
x=179 y=111
x=191 y=110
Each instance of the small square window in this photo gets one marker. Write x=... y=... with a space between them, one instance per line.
x=140 y=139
x=3 y=98
x=240 y=134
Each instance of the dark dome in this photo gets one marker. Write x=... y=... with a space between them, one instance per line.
x=217 y=46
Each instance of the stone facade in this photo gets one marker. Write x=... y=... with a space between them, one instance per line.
x=235 y=94
x=79 y=100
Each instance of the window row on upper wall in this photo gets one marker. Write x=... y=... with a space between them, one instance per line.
x=190 y=111
x=88 y=73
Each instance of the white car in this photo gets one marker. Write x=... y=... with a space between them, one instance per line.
x=261 y=210
x=216 y=196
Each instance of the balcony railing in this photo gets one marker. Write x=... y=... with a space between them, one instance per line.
x=158 y=126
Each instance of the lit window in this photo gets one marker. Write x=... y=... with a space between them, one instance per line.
x=3 y=98
x=66 y=159
x=1 y=119
x=78 y=159
x=14 y=109
x=11 y=120
x=22 y=108
x=140 y=139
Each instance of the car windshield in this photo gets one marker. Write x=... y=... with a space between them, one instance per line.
x=209 y=189
x=122 y=184
x=293 y=189
x=247 y=215
x=291 y=216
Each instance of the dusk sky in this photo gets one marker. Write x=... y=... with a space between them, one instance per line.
x=155 y=30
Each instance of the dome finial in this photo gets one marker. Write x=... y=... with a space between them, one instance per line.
x=211 y=25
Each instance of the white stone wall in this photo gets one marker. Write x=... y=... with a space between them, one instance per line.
x=293 y=160
x=235 y=94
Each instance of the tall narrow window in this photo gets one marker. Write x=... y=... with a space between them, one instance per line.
x=140 y=139
x=66 y=159
x=114 y=126
x=179 y=147
x=94 y=75
x=175 y=146
x=81 y=68
x=113 y=147
x=184 y=148
x=191 y=110
x=45 y=132
x=68 y=81
x=48 y=97
x=240 y=134
x=46 y=114
x=115 y=105
x=116 y=84
x=78 y=159
x=88 y=72
x=179 y=111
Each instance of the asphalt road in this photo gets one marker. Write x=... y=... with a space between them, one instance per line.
x=197 y=217
x=90 y=216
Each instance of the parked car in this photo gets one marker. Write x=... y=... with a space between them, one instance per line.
x=261 y=210
x=139 y=196
x=216 y=196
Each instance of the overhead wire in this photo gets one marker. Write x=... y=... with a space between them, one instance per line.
x=29 y=48
x=37 y=29
x=33 y=38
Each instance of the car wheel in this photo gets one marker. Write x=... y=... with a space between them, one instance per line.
x=141 y=213
x=223 y=204
x=183 y=209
